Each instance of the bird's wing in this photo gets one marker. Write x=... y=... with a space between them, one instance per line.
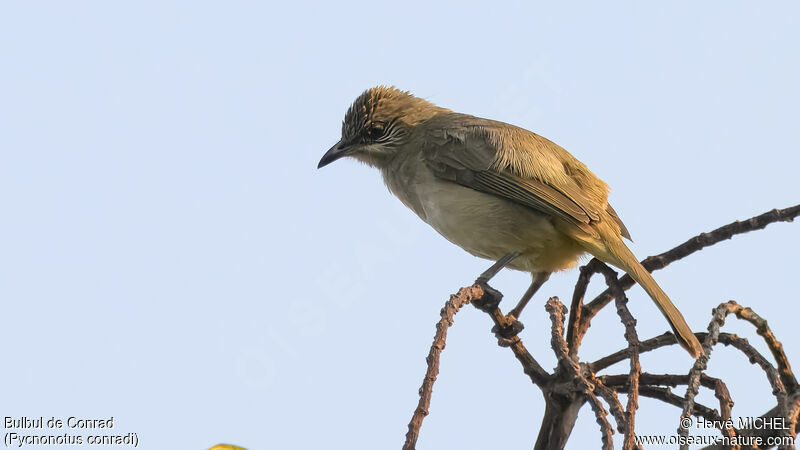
x=523 y=167
x=622 y=228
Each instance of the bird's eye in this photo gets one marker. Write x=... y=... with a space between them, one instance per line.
x=376 y=129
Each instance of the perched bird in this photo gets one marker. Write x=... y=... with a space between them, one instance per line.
x=498 y=191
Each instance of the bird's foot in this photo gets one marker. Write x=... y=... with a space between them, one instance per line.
x=508 y=326
x=490 y=299
x=506 y=333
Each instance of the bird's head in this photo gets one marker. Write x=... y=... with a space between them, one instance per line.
x=378 y=124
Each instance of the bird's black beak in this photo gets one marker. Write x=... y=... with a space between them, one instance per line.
x=338 y=150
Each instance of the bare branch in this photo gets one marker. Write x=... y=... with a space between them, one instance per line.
x=763 y=433
x=574 y=334
x=633 y=345
x=573 y=383
x=557 y=313
x=725 y=404
x=654 y=380
x=600 y=414
x=693 y=386
x=693 y=245
x=754 y=356
x=775 y=347
x=621 y=355
x=451 y=307
x=610 y=396
x=667 y=396
x=506 y=331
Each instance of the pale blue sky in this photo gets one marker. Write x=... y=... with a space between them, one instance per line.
x=170 y=256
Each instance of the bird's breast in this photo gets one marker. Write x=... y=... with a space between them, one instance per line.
x=483 y=224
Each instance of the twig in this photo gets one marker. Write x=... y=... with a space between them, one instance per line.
x=725 y=404
x=692 y=245
x=764 y=433
x=700 y=365
x=788 y=382
x=488 y=303
x=649 y=380
x=574 y=335
x=666 y=339
x=726 y=339
x=600 y=414
x=451 y=307
x=621 y=355
x=654 y=379
x=633 y=346
x=775 y=347
x=572 y=383
x=667 y=396
x=610 y=396
x=755 y=357
x=557 y=313
x=778 y=389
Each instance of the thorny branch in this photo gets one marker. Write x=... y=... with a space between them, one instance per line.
x=574 y=383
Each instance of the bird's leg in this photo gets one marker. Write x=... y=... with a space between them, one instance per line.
x=496 y=267
x=491 y=296
x=538 y=280
x=507 y=327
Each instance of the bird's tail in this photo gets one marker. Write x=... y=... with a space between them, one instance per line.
x=623 y=258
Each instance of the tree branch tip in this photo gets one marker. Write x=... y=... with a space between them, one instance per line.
x=575 y=382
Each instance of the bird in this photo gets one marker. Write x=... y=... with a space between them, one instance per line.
x=496 y=190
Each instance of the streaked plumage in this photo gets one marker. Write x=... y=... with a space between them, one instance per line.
x=493 y=188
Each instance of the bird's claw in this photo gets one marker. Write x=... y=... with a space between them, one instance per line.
x=507 y=333
x=490 y=299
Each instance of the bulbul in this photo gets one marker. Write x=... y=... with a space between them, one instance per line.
x=498 y=191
